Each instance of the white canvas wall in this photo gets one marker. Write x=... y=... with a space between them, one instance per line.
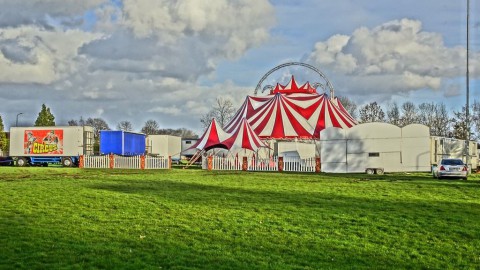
x=375 y=145
x=416 y=148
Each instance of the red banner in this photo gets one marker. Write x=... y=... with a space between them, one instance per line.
x=46 y=141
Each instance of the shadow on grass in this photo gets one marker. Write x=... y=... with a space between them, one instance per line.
x=203 y=194
x=324 y=210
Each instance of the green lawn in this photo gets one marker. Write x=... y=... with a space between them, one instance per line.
x=53 y=218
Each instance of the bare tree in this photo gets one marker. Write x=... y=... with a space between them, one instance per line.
x=125 y=126
x=393 y=114
x=150 y=127
x=436 y=117
x=476 y=119
x=349 y=105
x=371 y=113
x=74 y=122
x=97 y=124
x=409 y=114
x=459 y=124
x=222 y=111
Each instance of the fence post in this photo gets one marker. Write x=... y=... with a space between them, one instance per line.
x=112 y=161
x=142 y=162
x=81 y=162
x=169 y=162
x=209 y=163
x=244 y=164
x=280 y=164
x=318 y=165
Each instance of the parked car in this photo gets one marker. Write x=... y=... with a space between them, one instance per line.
x=451 y=167
x=6 y=161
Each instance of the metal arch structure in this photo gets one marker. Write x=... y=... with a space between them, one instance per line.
x=328 y=84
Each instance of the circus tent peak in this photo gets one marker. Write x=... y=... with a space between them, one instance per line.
x=244 y=137
x=212 y=137
x=292 y=87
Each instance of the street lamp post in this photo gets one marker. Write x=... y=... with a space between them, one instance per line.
x=16 y=122
x=467 y=105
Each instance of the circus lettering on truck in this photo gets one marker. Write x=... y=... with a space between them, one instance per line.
x=46 y=141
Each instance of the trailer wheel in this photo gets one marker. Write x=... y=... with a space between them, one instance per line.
x=67 y=162
x=369 y=171
x=21 y=162
x=379 y=171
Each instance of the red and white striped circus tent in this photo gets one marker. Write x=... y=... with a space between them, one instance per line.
x=211 y=138
x=243 y=137
x=291 y=111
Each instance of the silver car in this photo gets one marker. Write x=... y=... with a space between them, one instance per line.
x=451 y=167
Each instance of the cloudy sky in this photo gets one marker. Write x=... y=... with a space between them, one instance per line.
x=166 y=60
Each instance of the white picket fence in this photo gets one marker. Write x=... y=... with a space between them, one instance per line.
x=290 y=164
x=96 y=162
x=121 y=162
x=294 y=164
x=263 y=164
x=132 y=162
x=157 y=163
x=226 y=164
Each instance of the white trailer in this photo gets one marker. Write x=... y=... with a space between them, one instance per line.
x=47 y=145
x=186 y=144
x=375 y=148
x=442 y=147
x=164 y=145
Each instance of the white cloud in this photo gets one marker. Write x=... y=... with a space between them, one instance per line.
x=230 y=26
x=32 y=55
x=395 y=57
x=23 y=12
x=173 y=110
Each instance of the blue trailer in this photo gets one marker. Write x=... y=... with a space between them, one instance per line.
x=122 y=143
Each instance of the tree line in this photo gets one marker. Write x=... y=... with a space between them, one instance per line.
x=434 y=115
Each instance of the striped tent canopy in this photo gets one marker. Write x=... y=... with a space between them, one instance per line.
x=288 y=115
x=211 y=138
x=244 y=137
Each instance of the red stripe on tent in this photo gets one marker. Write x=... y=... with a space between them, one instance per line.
x=298 y=128
x=335 y=122
x=278 y=128
x=321 y=120
x=341 y=115
x=304 y=112
x=246 y=136
x=259 y=113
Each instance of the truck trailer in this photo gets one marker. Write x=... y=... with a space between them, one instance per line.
x=164 y=145
x=50 y=145
x=122 y=143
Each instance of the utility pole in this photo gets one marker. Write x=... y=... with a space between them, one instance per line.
x=467 y=109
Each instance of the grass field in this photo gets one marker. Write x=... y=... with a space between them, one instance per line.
x=53 y=218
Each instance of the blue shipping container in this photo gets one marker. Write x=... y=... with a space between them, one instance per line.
x=122 y=143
